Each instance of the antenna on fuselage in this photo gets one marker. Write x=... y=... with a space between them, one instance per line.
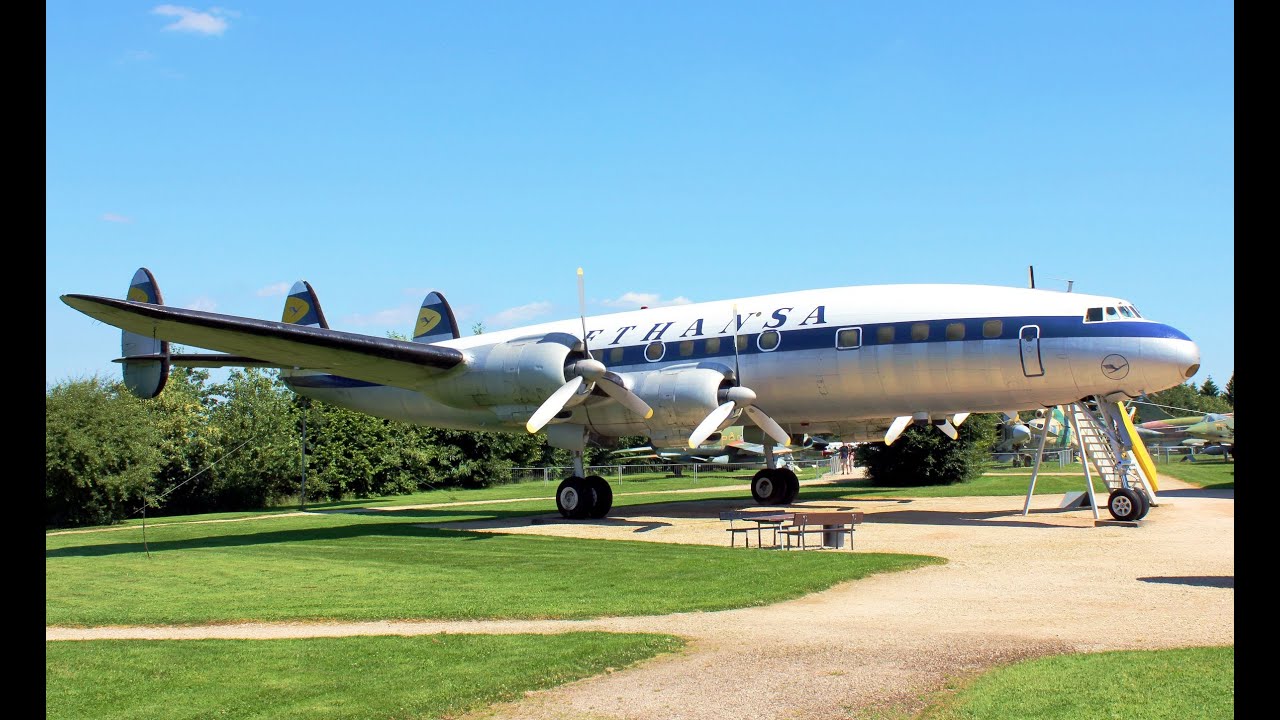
x=1031 y=272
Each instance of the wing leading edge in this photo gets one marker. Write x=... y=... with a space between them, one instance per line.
x=276 y=344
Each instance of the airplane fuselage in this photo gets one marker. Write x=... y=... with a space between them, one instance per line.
x=842 y=361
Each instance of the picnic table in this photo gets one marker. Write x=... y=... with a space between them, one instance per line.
x=795 y=528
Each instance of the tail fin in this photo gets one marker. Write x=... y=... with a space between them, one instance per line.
x=302 y=307
x=145 y=359
x=435 y=320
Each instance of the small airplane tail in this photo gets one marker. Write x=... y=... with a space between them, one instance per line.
x=302 y=307
x=435 y=320
x=145 y=359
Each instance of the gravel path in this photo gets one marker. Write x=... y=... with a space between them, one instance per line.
x=1015 y=587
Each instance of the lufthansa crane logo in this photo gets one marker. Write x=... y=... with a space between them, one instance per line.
x=1115 y=366
x=427 y=321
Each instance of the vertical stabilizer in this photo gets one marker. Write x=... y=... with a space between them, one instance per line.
x=302 y=307
x=435 y=320
x=145 y=359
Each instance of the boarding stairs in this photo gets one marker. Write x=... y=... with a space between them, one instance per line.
x=1110 y=445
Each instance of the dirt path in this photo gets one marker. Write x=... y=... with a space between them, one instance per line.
x=1015 y=587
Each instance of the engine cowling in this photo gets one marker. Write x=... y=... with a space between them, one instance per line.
x=681 y=396
x=518 y=374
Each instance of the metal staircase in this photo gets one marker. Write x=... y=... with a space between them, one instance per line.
x=1110 y=446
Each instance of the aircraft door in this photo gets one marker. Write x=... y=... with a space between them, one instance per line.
x=1030 y=344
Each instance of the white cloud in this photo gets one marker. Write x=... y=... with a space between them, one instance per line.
x=522 y=313
x=636 y=300
x=399 y=318
x=113 y=217
x=275 y=290
x=192 y=20
x=204 y=302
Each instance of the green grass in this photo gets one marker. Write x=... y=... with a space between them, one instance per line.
x=360 y=677
x=367 y=567
x=1214 y=474
x=1131 y=685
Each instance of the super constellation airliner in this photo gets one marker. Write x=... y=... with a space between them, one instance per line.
x=859 y=363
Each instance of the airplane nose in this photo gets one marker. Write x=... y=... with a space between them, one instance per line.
x=1020 y=432
x=1172 y=358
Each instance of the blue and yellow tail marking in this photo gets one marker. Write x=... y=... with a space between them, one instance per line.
x=435 y=320
x=302 y=307
x=142 y=288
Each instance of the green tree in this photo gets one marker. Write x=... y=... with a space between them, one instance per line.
x=924 y=456
x=258 y=458
x=1210 y=388
x=1180 y=400
x=186 y=440
x=100 y=453
x=1230 y=391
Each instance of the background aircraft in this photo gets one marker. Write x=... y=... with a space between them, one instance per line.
x=728 y=449
x=1017 y=439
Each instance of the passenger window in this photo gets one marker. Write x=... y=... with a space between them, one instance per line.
x=884 y=334
x=1094 y=315
x=615 y=356
x=992 y=328
x=1111 y=313
x=742 y=343
x=920 y=331
x=768 y=340
x=955 y=331
x=849 y=338
x=686 y=348
x=1125 y=312
x=654 y=351
x=713 y=345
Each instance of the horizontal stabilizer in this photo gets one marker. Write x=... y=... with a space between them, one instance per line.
x=435 y=320
x=361 y=357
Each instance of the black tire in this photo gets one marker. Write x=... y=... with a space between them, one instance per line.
x=1146 y=505
x=763 y=486
x=574 y=498
x=603 y=496
x=1124 y=504
x=791 y=483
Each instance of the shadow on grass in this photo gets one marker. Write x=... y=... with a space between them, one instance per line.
x=1217 y=581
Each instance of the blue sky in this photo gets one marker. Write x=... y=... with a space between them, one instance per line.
x=677 y=151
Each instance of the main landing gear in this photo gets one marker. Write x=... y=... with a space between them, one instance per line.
x=584 y=497
x=775 y=486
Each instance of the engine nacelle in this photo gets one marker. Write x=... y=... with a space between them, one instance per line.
x=681 y=397
x=516 y=373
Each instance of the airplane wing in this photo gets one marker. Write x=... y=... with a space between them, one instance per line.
x=360 y=357
x=205 y=360
x=750 y=448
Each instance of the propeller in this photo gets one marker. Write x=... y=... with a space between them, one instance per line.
x=582 y=372
x=733 y=397
x=947 y=426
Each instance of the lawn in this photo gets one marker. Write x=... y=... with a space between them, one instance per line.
x=387 y=566
x=359 y=677
x=1130 y=685
x=1213 y=474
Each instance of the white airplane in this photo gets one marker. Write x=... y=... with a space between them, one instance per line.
x=859 y=363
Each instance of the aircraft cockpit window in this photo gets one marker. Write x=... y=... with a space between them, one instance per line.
x=849 y=338
x=615 y=356
x=686 y=348
x=654 y=351
x=1135 y=311
x=1126 y=311
x=920 y=331
x=992 y=328
x=1093 y=315
x=1111 y=313
x=955 y=331
x=768 y=340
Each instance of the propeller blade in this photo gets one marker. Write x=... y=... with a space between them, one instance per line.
x=709 y=424
x=737 y=374
x=767 y=424
x=553 y=405
x=899 y=424
x=959 y=419
x=628 y=399
x=582 y=311
x=949 y=430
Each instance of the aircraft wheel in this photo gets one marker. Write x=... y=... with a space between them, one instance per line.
x=603 y=494
x=791 y=483
x=1145 y=503
x=574 y=498
x=763 y=486
x=1124 y=504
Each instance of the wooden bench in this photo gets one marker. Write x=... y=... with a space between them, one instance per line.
x=830 y=527
x=734 y=515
